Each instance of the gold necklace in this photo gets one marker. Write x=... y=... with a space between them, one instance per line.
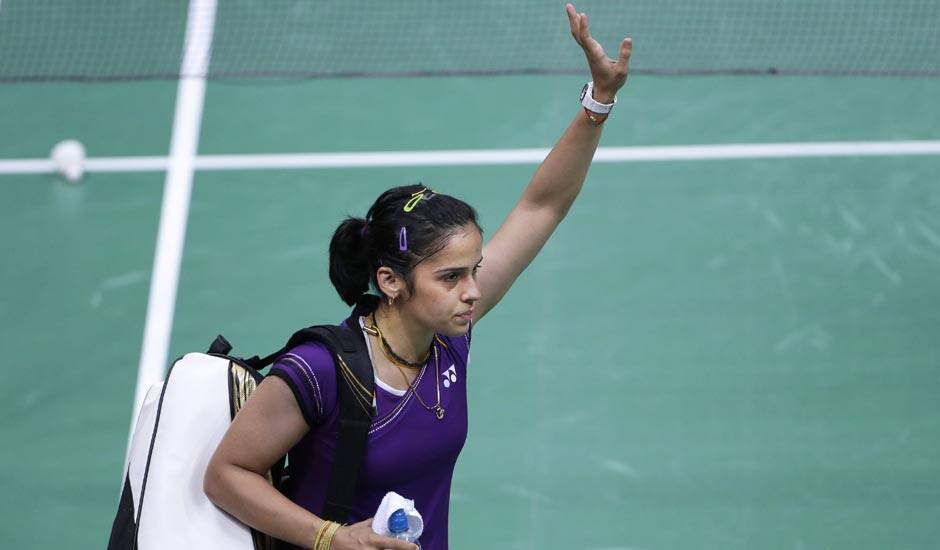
x=390 y=354
x=437 y=408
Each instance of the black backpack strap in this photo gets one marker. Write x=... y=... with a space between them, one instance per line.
x=356 y=398
x=356 y=393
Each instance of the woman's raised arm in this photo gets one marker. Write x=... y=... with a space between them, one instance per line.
x=558 y=180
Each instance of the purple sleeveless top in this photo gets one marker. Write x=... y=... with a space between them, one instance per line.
x=408 y=451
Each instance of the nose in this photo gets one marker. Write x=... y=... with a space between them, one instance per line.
x=472 y=292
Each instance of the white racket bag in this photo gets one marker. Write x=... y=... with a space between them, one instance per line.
x=182 y=420
x=180 y=424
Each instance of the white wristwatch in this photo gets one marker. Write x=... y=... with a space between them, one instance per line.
x=587 y=100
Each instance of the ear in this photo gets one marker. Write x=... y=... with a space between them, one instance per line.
x=390 y=283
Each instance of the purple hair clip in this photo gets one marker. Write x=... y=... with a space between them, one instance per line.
x=403 y=239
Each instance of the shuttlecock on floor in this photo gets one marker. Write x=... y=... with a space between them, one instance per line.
x=69 y=159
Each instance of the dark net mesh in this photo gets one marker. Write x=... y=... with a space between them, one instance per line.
x=135 y=39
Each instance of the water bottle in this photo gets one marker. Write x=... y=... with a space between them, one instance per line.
x=398 y=527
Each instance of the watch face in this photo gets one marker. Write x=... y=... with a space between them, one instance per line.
x=584 y=92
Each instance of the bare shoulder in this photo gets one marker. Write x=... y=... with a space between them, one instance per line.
x=268 y=426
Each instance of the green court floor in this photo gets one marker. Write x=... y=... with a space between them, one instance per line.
x=735 y=354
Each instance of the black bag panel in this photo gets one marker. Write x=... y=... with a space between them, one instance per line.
x=124 y=528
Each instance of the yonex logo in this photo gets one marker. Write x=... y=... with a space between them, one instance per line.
x=450 y=376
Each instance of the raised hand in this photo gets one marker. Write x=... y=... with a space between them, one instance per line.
x=609 y=75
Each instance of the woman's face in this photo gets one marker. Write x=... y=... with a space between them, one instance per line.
x=446 y=284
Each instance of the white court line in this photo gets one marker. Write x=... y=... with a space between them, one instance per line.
x=535 y=156
x=489 y=157
x=177 y=190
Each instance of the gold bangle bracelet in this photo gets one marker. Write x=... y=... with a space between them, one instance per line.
x=321 y=533
x=328 y=535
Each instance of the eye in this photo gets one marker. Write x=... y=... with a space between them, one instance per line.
x=451 y=277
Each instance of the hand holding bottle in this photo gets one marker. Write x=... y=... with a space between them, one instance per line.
x=359 y=536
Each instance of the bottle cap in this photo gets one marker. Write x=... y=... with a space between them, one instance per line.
x=398 y=522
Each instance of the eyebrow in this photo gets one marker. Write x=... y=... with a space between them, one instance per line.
x=446 y=269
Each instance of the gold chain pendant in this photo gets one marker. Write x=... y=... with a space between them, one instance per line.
x=440 y=412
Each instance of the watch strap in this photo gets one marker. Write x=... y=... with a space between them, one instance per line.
x=595 y=118
x=587 y=100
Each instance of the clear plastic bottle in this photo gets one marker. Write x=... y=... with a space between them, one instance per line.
x=398 y=527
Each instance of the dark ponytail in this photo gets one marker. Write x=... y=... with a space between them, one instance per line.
x=359 y=246
x=349 y=263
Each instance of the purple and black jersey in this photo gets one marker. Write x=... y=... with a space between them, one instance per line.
x=409 y=450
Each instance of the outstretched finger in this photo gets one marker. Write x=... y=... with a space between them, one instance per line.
x=592 y=48
x=574 y=21
x=626 y=49
x=585 y=31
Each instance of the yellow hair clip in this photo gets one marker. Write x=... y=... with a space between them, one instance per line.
x=416 y=198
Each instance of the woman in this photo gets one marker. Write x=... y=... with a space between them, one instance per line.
x=421 y=252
